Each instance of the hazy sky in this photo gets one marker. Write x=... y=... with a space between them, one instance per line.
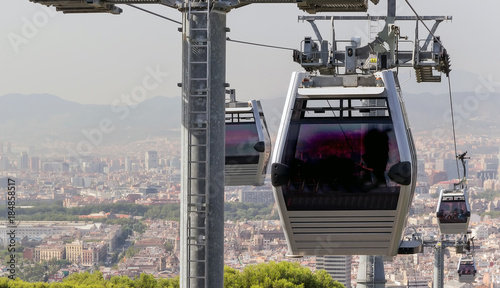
x=96 y=58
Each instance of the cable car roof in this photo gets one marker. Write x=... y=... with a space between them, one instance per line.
x=452 y=192
x=238 y=109
x=341 y=91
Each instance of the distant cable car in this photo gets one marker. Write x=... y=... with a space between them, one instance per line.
x=248 y=145
x=453 y=212
x=466 y=269
x=344 y=165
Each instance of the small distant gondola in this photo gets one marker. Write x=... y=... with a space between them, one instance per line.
x=343 y=166
x=466 y=269
x=453 y=212
x=248 y=144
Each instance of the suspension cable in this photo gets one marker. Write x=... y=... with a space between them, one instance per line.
x=453 y=127
x=422 y=21
x=153 y=13
x=258 y=44
x=449 y=88
x=228 y=39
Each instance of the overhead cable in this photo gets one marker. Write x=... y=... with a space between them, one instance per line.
x=161 y=16
x=453 y=127
x=422 y=21
x=258 y=44
x=449 y=88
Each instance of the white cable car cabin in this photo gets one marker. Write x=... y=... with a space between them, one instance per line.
x=248 y=145
x=453 y=212
x=466 y=269
x=344 y=165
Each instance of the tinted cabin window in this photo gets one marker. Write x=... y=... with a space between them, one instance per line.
x=466 y=268
x=240 y=141
x=339 y=161
x=452 y=209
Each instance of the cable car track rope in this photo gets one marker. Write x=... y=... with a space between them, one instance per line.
x=423 y=23
x=447 y=72
x=453 y=127
x=227 y=39
x=155 y=14
x=258 y=44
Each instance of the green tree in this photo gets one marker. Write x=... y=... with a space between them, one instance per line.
x=169 y=283
x=283 y=274
x=248 y=211
x=488 y=195
x=492 y=214
x=139 y=227
x=270 y=275
x=131 y=251
x=86 y=280
x=146 y=281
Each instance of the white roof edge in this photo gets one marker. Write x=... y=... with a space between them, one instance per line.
x=239 y=109
x=340 y=91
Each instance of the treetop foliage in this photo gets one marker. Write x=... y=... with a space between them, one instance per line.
x=278 y=275
x=269 y=275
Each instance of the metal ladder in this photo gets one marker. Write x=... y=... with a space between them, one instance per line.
x=198 y=79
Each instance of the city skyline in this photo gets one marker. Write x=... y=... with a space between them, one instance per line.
x=105 y=59
x=249 y=244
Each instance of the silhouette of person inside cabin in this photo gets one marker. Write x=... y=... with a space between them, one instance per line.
x=376 y=156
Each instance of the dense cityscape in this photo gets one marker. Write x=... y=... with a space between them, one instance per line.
x=147 y=174
x=99 y=195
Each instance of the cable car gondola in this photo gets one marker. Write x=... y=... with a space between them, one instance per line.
x=453 y=212
x=248 y=144
x=466 y=269
x=344 y=165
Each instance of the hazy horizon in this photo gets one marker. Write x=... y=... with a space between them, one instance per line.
x=96 y=59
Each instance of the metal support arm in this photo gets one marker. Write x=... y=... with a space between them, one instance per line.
x=98 y=6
